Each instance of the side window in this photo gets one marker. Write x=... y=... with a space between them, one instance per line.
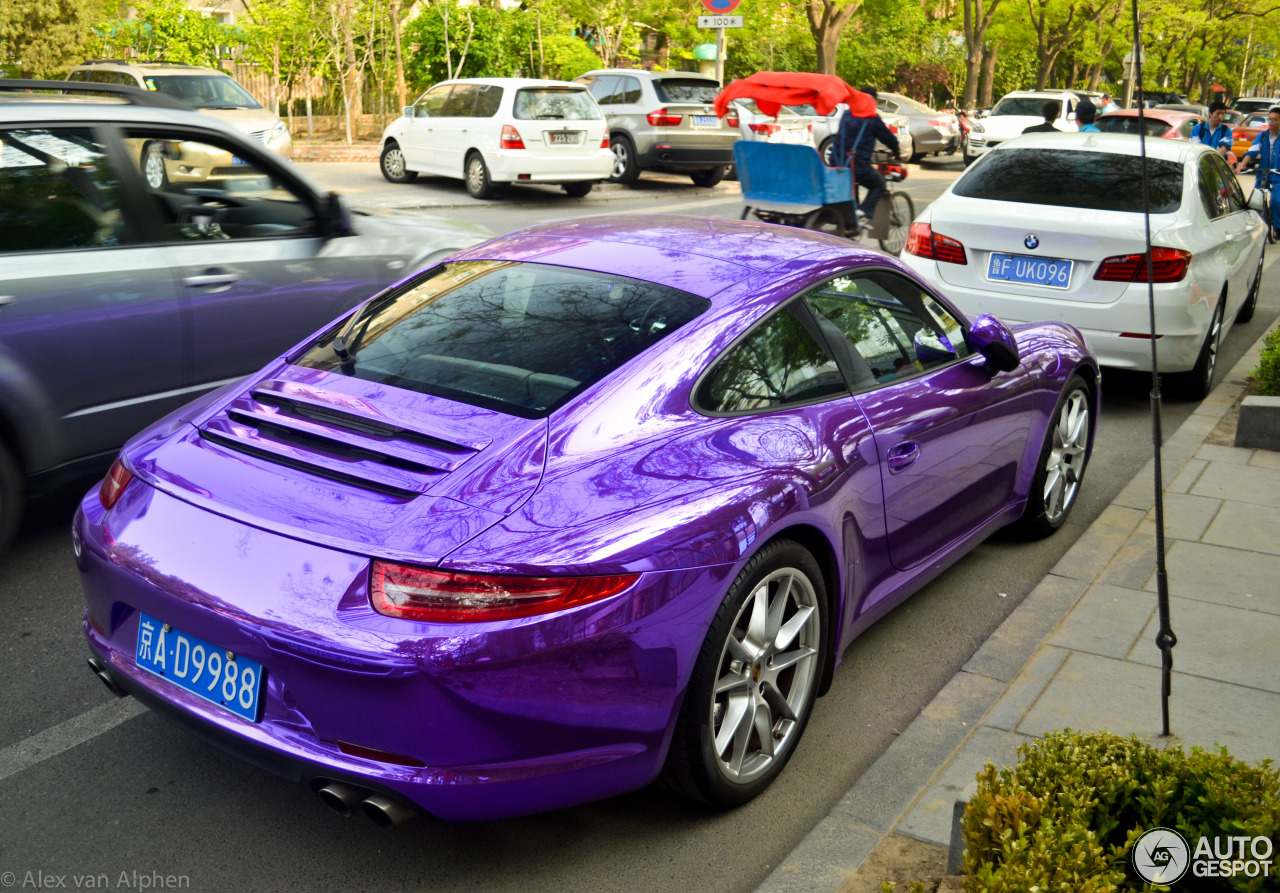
x=57 y=191
x=779 y=364
x=885 y=327
x=431 y=104
x=488 y=102
x=630 y=90
x=1187 y=126
x=1210 y=188
x=604 y=88
x=462 y=101
x=78 y=76
x=1231 y=191
x=203 y=191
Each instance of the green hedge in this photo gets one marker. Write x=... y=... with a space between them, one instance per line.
x=1268 y=372
x=1064 y=818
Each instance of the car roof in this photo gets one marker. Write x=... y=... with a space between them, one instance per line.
x=150 y=67
x=1040 y=94
x=511 y=82
x=1157 y=112
x=652 y=75
x=1118 y=143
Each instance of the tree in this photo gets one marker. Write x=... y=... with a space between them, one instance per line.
x=977 y=19
x=827 y=19
x=42 y=38
x=1061 y=23
x=173 y=31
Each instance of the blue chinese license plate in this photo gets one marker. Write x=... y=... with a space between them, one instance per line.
x=214 y=674
x=706 y=120
x=1051 y=272
x=236 y=159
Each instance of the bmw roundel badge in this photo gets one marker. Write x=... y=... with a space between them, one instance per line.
x=1031 y=241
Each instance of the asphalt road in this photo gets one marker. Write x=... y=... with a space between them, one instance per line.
x=93 y=789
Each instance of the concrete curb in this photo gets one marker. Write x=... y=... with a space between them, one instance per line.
x=884 y=799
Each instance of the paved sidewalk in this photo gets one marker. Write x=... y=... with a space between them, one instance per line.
x=1080 y=651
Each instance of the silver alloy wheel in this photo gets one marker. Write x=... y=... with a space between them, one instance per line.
x=1065 y=465
x=154 y=171
x=765 y=675
x=1213 y=343
x=620 y=158
x=475 y=174
x=393 y=162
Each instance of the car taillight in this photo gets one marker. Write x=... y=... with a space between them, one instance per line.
x=732 y=121
x=604 y=143
x=922 y=241
x=1237 y=135
x=934 y=123
x=511 y=138
x=893 y=128
x=767 y=129
x=113 y=485
x=437 y=596
x=662 y=118
x=1167 y=265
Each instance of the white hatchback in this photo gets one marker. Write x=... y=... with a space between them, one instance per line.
x=493 y=131
x=1049 y=226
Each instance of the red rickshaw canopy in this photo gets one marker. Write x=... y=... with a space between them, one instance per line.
x=773 y=89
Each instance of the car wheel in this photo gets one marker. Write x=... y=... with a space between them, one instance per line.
x=153 y=169
x=1060 y=468
x=626 y=169
x=11 y=498
x=577 y=190
x=913 y=156
x=707 y=179
x=1199 y=381
x=1245 y=313
x=754 y=682
x=392 y=164
x=901 y=212
x=825 y=150
x=969 y=159
x=476 y=176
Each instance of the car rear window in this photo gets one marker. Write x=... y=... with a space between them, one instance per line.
x=1101 y=181
x=518 y=338
x=556 y=104
x=685 y=89
x=1129 y=124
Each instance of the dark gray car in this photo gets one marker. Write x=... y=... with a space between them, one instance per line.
x=932 y=132
x=120 y=301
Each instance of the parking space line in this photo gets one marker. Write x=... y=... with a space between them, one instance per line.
x=88 y=725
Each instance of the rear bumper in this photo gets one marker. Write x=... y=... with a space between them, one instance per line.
x=670 y=157
x=515 y=165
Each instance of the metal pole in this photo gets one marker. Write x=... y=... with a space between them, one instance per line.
x=720 y=56
x=1165 y=639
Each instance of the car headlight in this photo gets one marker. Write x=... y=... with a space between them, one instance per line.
x=277 y=132
x=978 y=128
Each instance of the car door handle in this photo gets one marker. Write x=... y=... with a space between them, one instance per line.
x=212 y=279
x=903 y=456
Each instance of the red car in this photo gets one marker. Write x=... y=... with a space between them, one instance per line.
x=1167 y=123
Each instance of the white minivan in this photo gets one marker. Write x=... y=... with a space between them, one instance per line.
x=494 y=131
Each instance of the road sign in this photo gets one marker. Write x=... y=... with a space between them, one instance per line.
x=719 y=21
x=720 y=8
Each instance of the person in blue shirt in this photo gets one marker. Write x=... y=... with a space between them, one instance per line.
x=1266 y=148
x=1086 y=113
x=855 y=141
x=1214 y=133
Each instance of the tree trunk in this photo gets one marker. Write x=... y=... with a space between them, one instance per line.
x=988 y=75
x=976 y=22
x=826 y=20
x=402 y=90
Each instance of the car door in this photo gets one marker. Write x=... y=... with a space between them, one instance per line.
x=1238 y=228
x=247 y=244
x=90 y=327
x=454 y=129
x=419 y=138
x=949 y=440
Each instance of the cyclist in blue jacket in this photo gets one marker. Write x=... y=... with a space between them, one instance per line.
x=855 y=141
x=1266 y=148
x=1214 y=133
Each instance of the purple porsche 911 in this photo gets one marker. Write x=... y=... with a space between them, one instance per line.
x=593 y=504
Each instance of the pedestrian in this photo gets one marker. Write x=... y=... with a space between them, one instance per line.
x=1266 y=148
x=1049 y=111
x=856 y=141
x=1214 y=133
x=1109 y=104
x=1086 y=112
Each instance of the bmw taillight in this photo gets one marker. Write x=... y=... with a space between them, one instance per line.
x=663 y=118
x=1167 y=265
x=922 y=241
x=113 y=485
x=438 y=596
x=732 y=121
x=766 y=129
x=511 y=138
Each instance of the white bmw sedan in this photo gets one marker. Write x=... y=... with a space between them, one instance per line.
x=1049 y=226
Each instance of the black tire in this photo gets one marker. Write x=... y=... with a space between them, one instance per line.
x=825 y=220
x=825 y=151
x=626 y=168
x=153 y=167
x=1061 y=464
x=731 y=173
x=1245 y=313
x=914 y=156
x=707 y=179
x=475 y=174
x=901 y=212
x=577 y=190
x=392 y=164
x=969 y=159
x=11 y=498
x=1197 y=383
x=739 y=687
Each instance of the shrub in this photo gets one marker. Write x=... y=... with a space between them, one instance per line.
x=1064 y=818
x=1268 y=372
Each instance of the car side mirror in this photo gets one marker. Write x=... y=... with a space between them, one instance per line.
x=337 y=217
x=993 y=339
x=932 y=348
x=408 y=111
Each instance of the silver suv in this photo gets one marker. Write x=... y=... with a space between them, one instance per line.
x=663 y=121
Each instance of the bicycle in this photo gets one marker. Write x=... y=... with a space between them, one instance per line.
x=1265 y=199
x=894 y=212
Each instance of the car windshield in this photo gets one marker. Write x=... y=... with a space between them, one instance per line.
x=1101 y=181
x=555 y=104
x=1129 y=124
x=685 y=89
x=1256 y=120
x=517 y=338
x=203 y=91
x=1026 y=106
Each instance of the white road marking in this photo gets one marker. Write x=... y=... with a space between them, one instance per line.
x=88 y=725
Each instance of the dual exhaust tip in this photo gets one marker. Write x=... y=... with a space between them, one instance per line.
x=344 y=799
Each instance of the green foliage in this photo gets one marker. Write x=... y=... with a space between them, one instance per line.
x=895 y=44
x=45 y=38
x=1268 y=372
x=1064 y=818
x=169 y=30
